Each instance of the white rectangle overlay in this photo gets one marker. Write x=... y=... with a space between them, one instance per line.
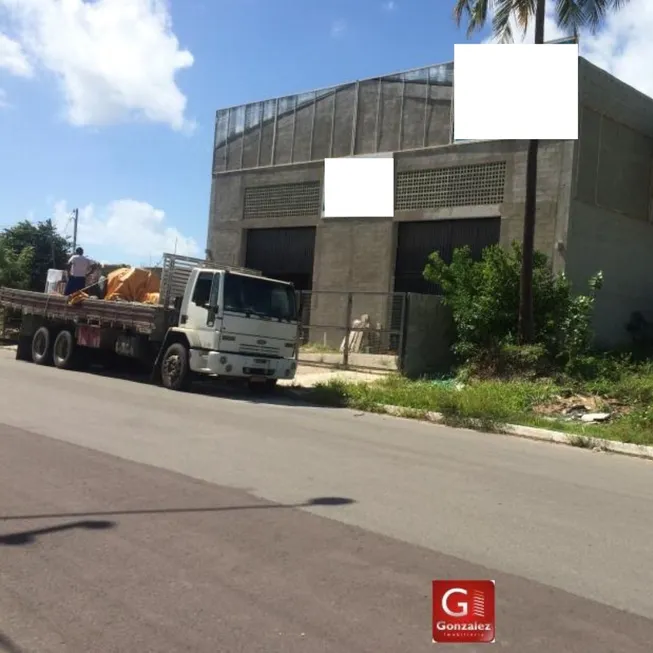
x=505 y=92
x=359 y=187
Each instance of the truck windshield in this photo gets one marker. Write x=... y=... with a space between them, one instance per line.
x=261 y=297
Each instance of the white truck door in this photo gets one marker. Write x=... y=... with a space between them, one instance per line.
x=200 y=314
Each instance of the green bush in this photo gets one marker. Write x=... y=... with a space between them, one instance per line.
x=509 y=361
x=15 y=269
x=484 y=300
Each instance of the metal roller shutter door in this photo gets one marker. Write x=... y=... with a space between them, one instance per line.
x=417 y=240
x=285 y=253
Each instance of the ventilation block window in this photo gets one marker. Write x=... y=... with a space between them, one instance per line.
x=471 y=185
x=281 y=201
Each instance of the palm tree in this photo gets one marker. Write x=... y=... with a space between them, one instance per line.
x=570 y=15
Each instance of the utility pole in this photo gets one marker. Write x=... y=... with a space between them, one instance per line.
x=75 y=220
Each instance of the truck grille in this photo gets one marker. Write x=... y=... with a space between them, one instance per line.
x=253 y=350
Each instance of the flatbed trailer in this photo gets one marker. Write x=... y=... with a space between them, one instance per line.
x=141 y=318
x=132 y=329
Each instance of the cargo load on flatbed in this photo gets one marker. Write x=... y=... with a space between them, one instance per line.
x=100 y=312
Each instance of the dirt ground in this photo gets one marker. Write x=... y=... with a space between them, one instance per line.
x=308 y=376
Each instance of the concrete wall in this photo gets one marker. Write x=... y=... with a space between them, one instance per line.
x=358 y=254
x=555 y=166
x=355 y=254
x=429 y=337
x=611 y=216
x=225 y=236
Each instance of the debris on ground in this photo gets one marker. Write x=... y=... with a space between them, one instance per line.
x=595 y=417
x=584 y=408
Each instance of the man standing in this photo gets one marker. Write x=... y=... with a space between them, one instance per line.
x=78 y=268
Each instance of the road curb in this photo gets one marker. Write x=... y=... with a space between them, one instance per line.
x=543 y=435
x=528 y=432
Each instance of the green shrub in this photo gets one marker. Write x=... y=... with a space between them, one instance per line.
x=507 y=361
x=15 y=269
x=484 y=300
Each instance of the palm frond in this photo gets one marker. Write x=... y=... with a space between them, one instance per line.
x=479 y=14
x=569 y=14
x=577 y=14
x=524 y=11
x=475 y=11
x=461 y=9
x=501 y=27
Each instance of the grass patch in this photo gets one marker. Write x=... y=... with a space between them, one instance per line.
x=316 y=348
x=581 y=441
x=485 y=405
x=488 y=405
x=630 y=428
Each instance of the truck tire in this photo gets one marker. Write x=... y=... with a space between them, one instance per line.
x=175 y=371
x=64 y=350
x=42 y=346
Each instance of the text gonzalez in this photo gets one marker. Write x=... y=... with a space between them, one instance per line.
x=462 y=612
x=475 y=627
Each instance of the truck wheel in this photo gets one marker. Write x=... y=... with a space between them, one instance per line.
x=175 y=372
x=64 y=352
x=42 y=347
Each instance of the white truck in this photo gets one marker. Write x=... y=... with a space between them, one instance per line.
x=211 y=321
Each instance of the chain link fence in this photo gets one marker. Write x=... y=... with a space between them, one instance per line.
x=352 y=329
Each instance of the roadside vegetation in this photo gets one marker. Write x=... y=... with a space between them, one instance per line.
x=27 y=251
x=559 y=381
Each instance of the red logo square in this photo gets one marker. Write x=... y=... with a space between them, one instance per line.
x=463 y=611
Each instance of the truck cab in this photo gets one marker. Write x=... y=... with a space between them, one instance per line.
x=239 y=325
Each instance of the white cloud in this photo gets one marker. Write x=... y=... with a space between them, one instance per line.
x=338 y=28
x=129 y=229
x=13 y=58
x=115 y=60
x=623 y=45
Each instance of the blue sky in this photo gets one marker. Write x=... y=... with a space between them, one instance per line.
x=92 y=97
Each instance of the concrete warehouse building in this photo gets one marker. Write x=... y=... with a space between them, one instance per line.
x=594 y=206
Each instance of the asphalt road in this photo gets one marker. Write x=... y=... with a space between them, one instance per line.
x=137 y=519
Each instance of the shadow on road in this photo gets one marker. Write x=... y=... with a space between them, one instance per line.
x=318 y=501
x=7 y=645
x=27 y=537
x=128 y=370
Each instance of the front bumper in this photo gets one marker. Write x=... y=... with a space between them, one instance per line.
x=218 y=363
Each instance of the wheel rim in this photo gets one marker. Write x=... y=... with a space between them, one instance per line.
x=61 y=348
x=172 y=368
x=40 y=344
